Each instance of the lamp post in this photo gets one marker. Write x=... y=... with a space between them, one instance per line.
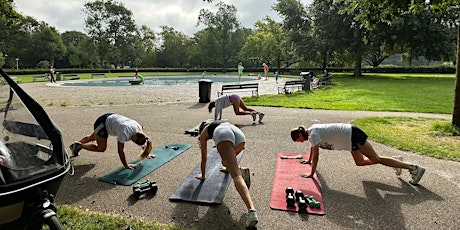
x=17 y=63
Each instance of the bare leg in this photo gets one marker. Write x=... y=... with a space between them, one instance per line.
x=240 y=104
x=372 y=158
x=227 y=153
x=100 y=146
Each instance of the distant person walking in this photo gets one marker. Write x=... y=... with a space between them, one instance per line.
x=52 y=74
x=240 y=71
x=266 y=71
x=277 y=75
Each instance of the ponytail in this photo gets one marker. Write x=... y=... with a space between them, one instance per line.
x=297 y=132
x=141 y=139
x=211 y=105
x=148 y=148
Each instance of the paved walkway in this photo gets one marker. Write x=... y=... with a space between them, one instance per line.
x=355 y=197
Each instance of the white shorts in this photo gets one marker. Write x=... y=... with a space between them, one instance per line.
x=228 y=132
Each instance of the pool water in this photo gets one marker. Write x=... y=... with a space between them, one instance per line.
x=153 y=81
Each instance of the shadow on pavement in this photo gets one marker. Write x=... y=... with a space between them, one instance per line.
x=382 y=203
x=76 y=187
x=217 y=217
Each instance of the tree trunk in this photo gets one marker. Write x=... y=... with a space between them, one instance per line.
x=456 y=114
x=358 y=60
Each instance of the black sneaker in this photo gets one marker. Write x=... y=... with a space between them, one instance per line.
x=75 y=149
x=416 y=174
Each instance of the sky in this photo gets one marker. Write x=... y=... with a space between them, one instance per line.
x=182 y=15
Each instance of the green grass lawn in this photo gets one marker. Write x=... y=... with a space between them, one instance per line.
x=373 y=92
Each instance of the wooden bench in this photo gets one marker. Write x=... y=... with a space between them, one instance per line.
x=94 y=75
x=70 y=77
x=253 y=87
x=39 y=78
x=325 y=80
x=290 y=86
x=15 y=79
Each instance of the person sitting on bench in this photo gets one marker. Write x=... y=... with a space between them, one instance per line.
x=225 y=101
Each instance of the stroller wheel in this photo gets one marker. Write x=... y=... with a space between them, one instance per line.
x=53 y=223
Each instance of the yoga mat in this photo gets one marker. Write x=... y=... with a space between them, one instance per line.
x=209 y=191
x=287 y=175
x=194 y=131
x=128 y=177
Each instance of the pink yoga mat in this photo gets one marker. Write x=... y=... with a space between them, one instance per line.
x=287 y=175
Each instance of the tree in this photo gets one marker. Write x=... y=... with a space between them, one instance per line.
x=146 y=43
x=225 y=29
x=268 y=44
x=75 y=55
x=297 y=26
x=173 y=51
x=371 y=12
x=47 y=44
x=111 y=27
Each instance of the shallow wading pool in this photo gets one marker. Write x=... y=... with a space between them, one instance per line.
x=153 y=81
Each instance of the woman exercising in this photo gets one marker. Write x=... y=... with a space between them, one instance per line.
x=225 y=101
x=114 y=125
x=230 y=141
x=339 y=136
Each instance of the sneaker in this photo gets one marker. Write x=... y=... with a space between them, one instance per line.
x=398 y=171
x=252 y=220
x=246 y=174
x=75 y=148
x=416 y=174
x=254 y=115
x=261 y=116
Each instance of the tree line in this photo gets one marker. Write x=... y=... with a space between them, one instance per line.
x=323 y=34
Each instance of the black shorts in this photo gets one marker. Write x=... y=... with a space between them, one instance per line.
x=357 y=137
x=99 y=126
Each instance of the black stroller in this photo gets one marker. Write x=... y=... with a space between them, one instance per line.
x=33 y=161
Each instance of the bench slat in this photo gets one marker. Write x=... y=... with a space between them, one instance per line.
x=253 y=87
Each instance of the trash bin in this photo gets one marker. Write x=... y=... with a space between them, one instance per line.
x=58 y=76
x=307 y=77
x=204 y=86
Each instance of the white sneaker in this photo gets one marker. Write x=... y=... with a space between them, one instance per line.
x=398 y=171
x=252 y=220
x=75 y=148
x=254 y=115
x=246 y=174
x=416 y=174
x=261 y=116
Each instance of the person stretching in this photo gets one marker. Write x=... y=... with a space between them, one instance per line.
x=340 y=136
x=230 y=141
x=115 y=125
x=225 y=101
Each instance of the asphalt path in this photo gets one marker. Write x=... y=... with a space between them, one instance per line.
x=370 y=197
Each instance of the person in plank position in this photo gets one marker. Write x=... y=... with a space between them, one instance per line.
x=123 y=128
x=230 y=141
x=225 y=101
x=340 y=136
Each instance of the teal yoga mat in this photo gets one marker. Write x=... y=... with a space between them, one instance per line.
x=210 y=191
x=128 y=177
